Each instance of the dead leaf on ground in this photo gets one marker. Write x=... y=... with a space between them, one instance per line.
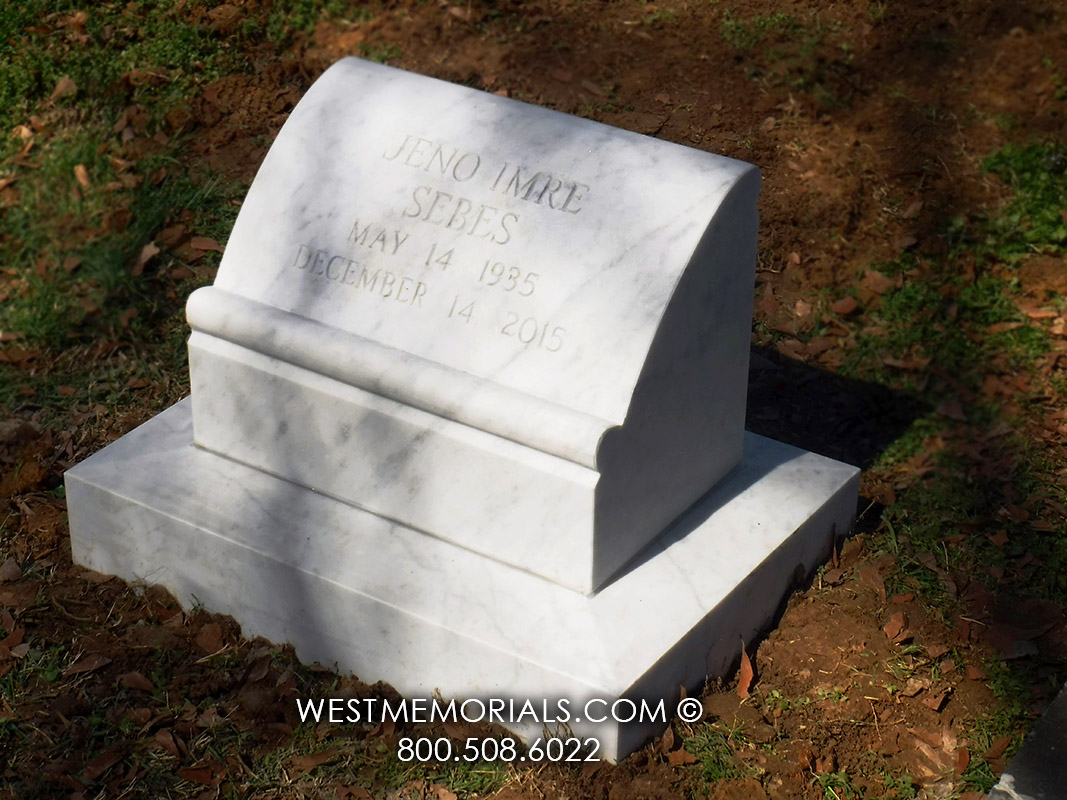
x=205 y=243
x=165 y=739
x=201 y=775
x=9 y=570
x=88 y=663
x=936 y=700
x=746 y=674
x=147 y=252
x=105 y=761
x=998 y=748
x=963 y=760
x=680 y=757
x=309 y=762
x=894 y=629
x=833 y=576
x=209 y=639
x=13 y=639
x=82 y=175
x=952 y=409
x=845 y=306
x=135 y=680
x=65 y=88
x=914 y=686
x=666 y=742
x=876 y=282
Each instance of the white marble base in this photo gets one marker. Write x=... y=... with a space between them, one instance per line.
x=564 y=521
x=369 y=596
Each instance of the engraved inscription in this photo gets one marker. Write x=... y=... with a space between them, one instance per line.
x=436 y=158
x=530 y=331
x=456 y=191
x=508 y=278
x=460 y=214
x=545 y=188
x=461 y=309
x=377 y=237
x=383 y=283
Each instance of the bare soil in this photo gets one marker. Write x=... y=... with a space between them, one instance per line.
x=868 y=127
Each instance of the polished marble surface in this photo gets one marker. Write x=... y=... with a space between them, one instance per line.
x=370 y=596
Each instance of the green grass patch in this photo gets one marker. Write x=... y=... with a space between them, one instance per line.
x=747 y=35
x=714 y=745
x=1032 y=221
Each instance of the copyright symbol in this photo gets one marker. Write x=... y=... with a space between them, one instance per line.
x=690 y=710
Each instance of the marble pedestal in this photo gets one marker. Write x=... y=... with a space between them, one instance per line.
x=360 y=593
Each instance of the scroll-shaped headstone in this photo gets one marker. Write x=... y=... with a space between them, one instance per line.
x=509 y=328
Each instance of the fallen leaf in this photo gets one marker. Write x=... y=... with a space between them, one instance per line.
x=833 y=576
x=135 y=680
x=147 y=252
x=138 y=383
x=935 y=700
x=443 y=792
x=205 y=243
x=875 y=281
x=680 y=757
x=259 y=669
x=13 y=639
x=913 y=209
x=209 y=639
x=87 y=663
x=65 y=391
x=165 y=739
x=952 y=409
x=914 y=686
x=746 y=674
x=769 y=304
x=65 y=88
x=931 y=738
x=9 y=570
x=998 y=748
x=895 y=627
x=103 y=762
x=309 y=762
x=963 y=760
x=937 y=650
x=845 y=306
x=201 y=775
x=666 y=742
x=82 y=175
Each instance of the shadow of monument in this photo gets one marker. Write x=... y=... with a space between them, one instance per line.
x=832 y=415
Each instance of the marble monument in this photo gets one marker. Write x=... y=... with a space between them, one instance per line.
x=467 y=410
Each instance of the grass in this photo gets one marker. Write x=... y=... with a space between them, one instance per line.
x=1032 y=220
x=783 y=51
x=713 y=745
x=86 y=192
